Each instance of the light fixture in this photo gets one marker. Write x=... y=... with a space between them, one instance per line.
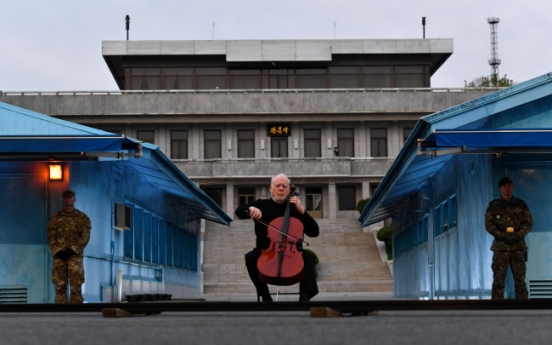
x=56 y=172
x=336 y=151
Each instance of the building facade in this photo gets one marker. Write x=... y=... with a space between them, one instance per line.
x=331 y=114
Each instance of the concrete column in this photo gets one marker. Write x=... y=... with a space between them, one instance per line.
x=328 y=141
x=366 y=189
x=394 y=139
x=195 y=140
x=332 y=200
x=230 y=208
x=360 y=140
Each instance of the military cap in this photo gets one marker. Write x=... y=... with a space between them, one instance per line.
x=504 y=180
x=68 y=193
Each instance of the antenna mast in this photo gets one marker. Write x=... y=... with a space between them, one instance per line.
x=494 y=61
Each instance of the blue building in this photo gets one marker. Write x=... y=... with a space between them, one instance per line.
x=147 y=216
x=437 y=191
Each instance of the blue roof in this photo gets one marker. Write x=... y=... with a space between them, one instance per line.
x=411 y=170
x=27 y=135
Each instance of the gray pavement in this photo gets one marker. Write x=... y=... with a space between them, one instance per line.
x=387 y=327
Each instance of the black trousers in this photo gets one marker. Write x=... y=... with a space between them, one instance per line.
x=307 y=286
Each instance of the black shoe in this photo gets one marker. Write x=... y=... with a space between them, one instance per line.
x=266 y=298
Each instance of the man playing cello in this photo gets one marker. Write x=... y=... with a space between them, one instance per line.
x=263 y=211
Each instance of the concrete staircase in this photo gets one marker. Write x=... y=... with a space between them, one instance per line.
x=349 y=259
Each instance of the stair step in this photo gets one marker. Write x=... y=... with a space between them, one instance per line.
x=349 y=259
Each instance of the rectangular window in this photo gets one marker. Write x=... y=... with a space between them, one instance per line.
x=179 y=144
x=314 y=202
x=128 y=240
x=409 y=76
x=378 y=142
x=377 y=76
x=179 y=248
x=147 y=237
x=312 y=143
x=145 y=78
x=344 y=77
x=310 y=78
x=406 y=133
x=245 y=79
x=170 y=244
x=212 y=144
x=246 y=143
x=155 y=244
x=279 y=147
x=215 y=194
x=246 y=195
x=345 y=142
x=278 y=79
x=178 y=78
x=211 y=78
x=162 y=242
x=347 y=198
x=138 y=234
x=146 y=136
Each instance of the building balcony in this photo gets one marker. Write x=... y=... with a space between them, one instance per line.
x=248 y=169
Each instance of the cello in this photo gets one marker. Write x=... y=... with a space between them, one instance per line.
x=282 y=262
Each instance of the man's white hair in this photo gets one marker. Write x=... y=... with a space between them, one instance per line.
x=279 y=175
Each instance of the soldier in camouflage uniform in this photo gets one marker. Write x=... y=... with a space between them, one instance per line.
x=508 y=219
x=68 y=235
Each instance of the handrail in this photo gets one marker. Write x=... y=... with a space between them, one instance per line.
x=240 y=91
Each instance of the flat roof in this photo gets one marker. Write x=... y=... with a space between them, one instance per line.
x=275 y=50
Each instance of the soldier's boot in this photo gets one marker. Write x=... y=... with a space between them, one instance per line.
x=497 y=294
x=61 y=294
x=76 y=294
x=522 y=295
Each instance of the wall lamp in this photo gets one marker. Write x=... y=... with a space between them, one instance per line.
x=56 y=172
x=336 y=151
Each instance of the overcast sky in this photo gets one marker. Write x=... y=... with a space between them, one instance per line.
x=55 y=45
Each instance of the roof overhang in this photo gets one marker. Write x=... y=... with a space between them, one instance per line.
x=66 y=147
x=486 y=141
x=144 y=158
x=160 y=171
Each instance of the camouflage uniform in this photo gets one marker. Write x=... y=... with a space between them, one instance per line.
x=68 y=231
x=509 y=247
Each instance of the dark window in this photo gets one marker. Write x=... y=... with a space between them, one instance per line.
x=378 y=142
x=147 y=136
x=211 y=78
x=145 y=78
x=179 y=144
x=406 y=133
x=246 y=195
x=312 y=143
x=138 y=230
x=377 y=76
x=212 y=144
x=344 y=77
x=409 y=76
x=373 y=188
x=245 y=79
x=278 y=79
x=178 y=78
x=279 y=147
x=147 y=237
x=155 y=245
x=345 y=142
x=347 y=200
x=314 y=201
x=246 y=143
x=215 y=194
x=310 y=78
